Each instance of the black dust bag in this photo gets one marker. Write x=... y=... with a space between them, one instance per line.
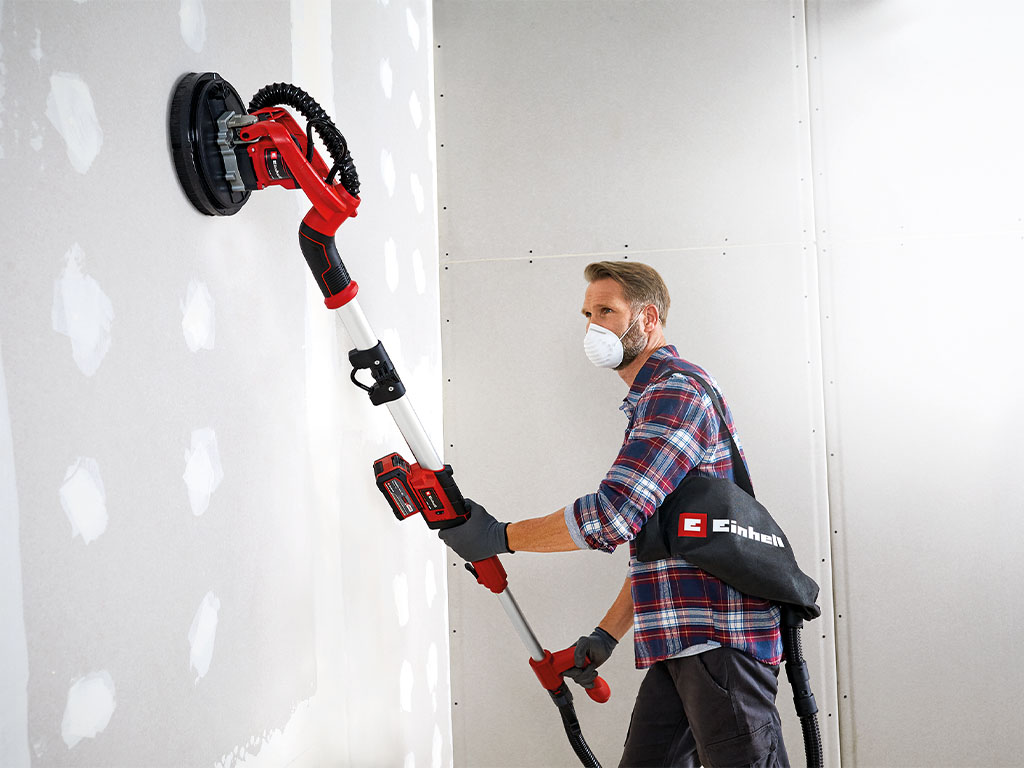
x=720 y=527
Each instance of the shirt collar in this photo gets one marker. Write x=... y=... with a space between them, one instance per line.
x=643 y=378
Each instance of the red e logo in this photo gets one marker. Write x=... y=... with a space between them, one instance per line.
x=693 y=524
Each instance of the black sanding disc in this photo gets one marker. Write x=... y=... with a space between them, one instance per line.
x=199 y=99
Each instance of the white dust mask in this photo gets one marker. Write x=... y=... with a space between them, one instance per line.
x=602 y=347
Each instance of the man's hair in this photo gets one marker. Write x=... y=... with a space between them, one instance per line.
x=640 y=283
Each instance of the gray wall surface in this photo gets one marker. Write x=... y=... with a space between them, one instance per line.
x=196 y=566
x=831 y=192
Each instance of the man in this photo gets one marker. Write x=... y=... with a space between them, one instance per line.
x=711 y=653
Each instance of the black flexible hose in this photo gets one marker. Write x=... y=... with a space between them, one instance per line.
x=562 y=697
x=291 y=95
x=799 y=679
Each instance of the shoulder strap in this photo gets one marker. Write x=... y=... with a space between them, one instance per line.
x=739 y=467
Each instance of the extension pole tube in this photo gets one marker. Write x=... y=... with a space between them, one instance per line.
x=411 y=427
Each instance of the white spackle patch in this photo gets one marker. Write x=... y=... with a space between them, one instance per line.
x=387 y=170
x=417 y=191
x=435 y=748
x=410 y=761
x=193 y=24
x=36 y=51
x=405 y=683
x=416 y=110
x=83 y=313
x=414 y=29
x=391 y=264
x=84 y=499
x=430 y=583
x=90 y=705
x=202 y=635
x=401 y=587
x=432 y=672
x=69 y=108
x=198 y=319
x=418 y=273
x=386 y=77
x=203 y=471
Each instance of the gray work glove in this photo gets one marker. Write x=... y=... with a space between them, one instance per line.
x=479 y=538
x=597 y=646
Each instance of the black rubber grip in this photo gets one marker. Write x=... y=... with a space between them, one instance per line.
x=324 y=260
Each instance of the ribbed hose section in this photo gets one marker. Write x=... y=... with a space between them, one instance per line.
x=563 y=700
x=576 y=740
x=812 y=741
x=803 y=699
x=290 y=95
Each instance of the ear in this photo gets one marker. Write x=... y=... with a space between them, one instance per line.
x=651 y=318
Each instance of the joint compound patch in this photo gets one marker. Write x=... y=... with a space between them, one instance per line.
x=415 y=110
x=202 y=635
x=417 y=191
x=82 y=312
x=405 y=683
x=386 y=77
x=84 y=500
x=70 y=109
x=198 y=318
x=193 y=24
x=387 y=171
x=91 y=702
x=203 y=472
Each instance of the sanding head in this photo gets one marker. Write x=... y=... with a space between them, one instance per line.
x=198 y=102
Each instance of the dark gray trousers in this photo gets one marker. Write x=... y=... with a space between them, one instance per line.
x=715 y=709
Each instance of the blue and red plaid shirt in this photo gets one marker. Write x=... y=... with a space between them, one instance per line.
x=673 y=430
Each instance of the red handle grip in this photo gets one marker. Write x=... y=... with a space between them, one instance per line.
x=553 y=667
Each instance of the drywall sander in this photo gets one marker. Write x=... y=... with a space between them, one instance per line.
x=223 y=151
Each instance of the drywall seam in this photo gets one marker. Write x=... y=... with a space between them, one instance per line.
x=626 y=253
x=826 y=304
x=13 y=642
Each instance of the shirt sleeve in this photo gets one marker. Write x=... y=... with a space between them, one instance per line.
x=670 y=435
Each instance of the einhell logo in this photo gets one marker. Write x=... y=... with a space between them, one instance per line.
x=695 y=524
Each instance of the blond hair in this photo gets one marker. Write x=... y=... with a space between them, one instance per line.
x=641 y=284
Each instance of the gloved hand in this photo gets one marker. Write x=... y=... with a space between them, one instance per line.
x=597 y=646
x=480 y=537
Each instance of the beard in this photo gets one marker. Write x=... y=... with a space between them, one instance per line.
x=633 y=344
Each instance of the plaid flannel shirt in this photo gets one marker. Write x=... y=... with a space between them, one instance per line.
x=673 y=429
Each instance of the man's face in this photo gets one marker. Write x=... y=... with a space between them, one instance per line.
x=604 y=304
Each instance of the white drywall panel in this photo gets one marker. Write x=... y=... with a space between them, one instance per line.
x=275 y=616
x=926 y=500
x=673 y=133
x=919 y=211
x=531 y=424
x=596 y=127
x=918 y=129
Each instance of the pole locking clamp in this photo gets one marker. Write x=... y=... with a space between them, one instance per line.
x=387 y=385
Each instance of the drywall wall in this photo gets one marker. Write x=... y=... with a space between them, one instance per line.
x=831 y=191
x=675 y=134
x=920 y=217
x=197 y=567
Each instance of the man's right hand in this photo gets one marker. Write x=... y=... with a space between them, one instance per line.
x=597 y=647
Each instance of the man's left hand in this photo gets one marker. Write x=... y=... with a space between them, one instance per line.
x=479 y=538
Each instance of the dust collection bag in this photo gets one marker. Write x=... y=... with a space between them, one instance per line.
x=720 y=527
